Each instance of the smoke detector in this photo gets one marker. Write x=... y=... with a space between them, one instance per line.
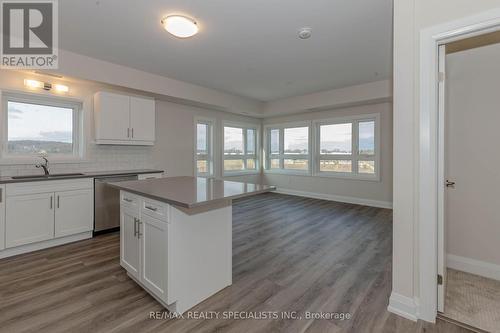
x=305 y=33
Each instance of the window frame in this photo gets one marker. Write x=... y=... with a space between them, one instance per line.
x=355 y=157
x=209 y=157
x=78 y=137
x=282 y=156
x=244 y=156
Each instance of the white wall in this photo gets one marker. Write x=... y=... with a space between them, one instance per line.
x=174 y=150
x=370 y=192
x=97 y=157
x=368 y=93
x=473 y=227
x=410 y=17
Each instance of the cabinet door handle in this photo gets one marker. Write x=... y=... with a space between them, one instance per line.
x=51 y=199
x=128 y=132
x=139 y=228
x=132 y=132
x=151 y=208
x=1 y=195
x=58 y=199
x=135 y=227
x=127 y=199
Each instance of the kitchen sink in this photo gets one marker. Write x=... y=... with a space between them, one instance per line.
x=55 y=175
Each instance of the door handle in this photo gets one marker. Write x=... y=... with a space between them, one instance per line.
x=132 y=132
x=128 y=132
x=51 y=199
x=58 y=199
x=450 y=184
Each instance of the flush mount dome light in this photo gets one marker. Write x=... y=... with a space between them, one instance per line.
x=180 y=26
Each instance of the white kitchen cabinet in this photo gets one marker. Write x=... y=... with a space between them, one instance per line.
x=154 y=247
x=42 y=214
x=2 y=217
x=129 y=241
x=142 y=119
x=112 y=116
x=73 y=212
x=29 y=219
x=124 y=120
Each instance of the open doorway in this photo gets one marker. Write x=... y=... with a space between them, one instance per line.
x=469 y=174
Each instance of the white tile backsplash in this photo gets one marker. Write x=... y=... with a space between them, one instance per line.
x=98 y=158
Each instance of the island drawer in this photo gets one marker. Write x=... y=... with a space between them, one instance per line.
x=155 y=209
x=128 y=199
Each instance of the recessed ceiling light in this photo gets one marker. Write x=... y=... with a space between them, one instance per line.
x=180 y=26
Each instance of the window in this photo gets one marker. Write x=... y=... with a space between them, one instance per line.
x=240 y=149
x=347 y=147
x=40 y=126
x=342 y=147
x=204 y=148
x=288 y=148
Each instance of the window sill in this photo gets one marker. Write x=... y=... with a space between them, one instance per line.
x=287 y=172
x=370 y=178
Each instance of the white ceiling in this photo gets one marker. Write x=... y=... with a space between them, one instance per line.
x=248 y=48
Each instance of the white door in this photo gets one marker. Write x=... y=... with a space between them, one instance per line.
x=74 y=212
x=113 y=117
x=441 y=269
x=2 y=217
x=29 y=219
x=129 y=241
x=142 y=119
x=154 y=249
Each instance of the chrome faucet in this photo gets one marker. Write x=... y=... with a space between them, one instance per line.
x=44 y=166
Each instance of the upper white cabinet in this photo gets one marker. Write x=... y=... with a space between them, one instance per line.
x=142 y=119
x=124 y=120
x=2 y=217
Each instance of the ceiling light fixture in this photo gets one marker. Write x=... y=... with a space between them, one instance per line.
x=180 y=26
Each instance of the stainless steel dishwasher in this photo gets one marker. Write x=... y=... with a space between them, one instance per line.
x=107 y=203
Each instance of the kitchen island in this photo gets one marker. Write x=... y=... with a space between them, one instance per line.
x=176 y=236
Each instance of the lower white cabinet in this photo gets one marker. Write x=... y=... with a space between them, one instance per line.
x=130 y=242
x=144 y=249
x=46 y=211
x=154 y=259
x=2 y=217
x=74 y=212
x=29 y=219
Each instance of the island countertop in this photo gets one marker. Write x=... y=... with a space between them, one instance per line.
x=191 y=192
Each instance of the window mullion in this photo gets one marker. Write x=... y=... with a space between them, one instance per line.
x=355 y=148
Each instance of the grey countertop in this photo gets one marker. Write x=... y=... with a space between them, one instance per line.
x=191 y=192
x=93 y=174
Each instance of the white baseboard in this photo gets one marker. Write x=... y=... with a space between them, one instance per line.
x=14 y=251
x=473 y=266
x=403 y=306
x=339 y=198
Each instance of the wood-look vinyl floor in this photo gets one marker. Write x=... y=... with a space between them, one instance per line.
x=289 y=254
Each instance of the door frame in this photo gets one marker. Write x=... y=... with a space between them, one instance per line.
x=429 y=177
